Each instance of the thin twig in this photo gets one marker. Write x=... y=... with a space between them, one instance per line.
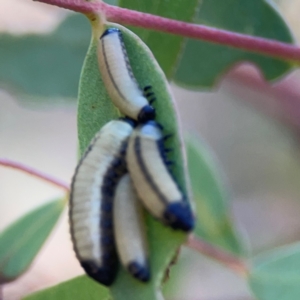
x=233 y=262
x=19 y=166
x=264 y=46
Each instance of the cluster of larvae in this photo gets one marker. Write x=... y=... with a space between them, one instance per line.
x=123 y=169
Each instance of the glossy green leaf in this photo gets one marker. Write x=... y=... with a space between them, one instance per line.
x=45 y=65
x=21 y=241
x=275 y=275
x=202 y=63
x=79 y=288
x=214 y=223
x=95 y=109
x=165 y=47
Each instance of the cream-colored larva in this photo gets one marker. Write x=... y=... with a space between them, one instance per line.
x=91 y=200
x=129 y=230
x=152 y=179
x=119 y=80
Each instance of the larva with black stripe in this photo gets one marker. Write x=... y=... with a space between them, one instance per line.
x=129 y=228
x=119 y=80
x=154 y=183
x=91 y=200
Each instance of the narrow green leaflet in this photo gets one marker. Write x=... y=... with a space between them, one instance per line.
x=165 y=47
x=94 y=110
x=21 y=241
x=213 y=218
x=79 y=288
x=275 y=275
x=202 y=63
x=45 y=65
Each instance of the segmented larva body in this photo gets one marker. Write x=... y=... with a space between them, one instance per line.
x=91 y=201
x=129 y=228
x=119 y=80
x=155 y=185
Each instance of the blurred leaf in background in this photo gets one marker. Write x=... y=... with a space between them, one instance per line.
x=276 y=274
x=202 y=63
x=214 y=223
x=45 y=65
x=21 y=241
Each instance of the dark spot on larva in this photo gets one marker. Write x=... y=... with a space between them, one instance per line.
x=147 y=88
x=167 y=136
x=152 y=100
x=148 y=95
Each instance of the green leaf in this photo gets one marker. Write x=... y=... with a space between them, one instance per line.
x=165 y=47
x=79 y=288
x=21 y=241
x=202 y=63
x=214 y=223
x=45 y=65
x=94 y=110
x=275 y=275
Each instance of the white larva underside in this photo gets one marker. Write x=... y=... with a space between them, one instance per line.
x=122 y=88
x=86 y=197
x=166 y=191
x=129 y=225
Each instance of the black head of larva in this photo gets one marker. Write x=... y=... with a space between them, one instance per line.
x=139 y=271
x=147 y=113
x=179 y=216
x=109 y=31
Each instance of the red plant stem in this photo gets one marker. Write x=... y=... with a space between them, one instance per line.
x=229 y=260
x=19 y=166
x=130 y=17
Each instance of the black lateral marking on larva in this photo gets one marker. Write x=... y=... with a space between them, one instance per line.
x=149 y=94
x=109 y=72
x=107 y=240
x=142 y=165
x=105 y=275
x=127 y=62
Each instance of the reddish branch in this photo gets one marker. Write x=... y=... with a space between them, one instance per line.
x=129 y=17
x=19 y=166
x=229 y=260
